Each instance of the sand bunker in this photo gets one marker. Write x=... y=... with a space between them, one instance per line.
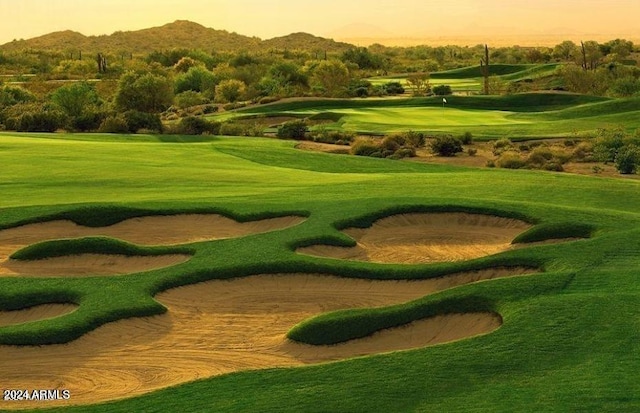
x=426 y=238
x=88 y=265
x=223 y=326
x=153 y=230
x=38 y=312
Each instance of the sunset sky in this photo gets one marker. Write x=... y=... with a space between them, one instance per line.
x=332 y=18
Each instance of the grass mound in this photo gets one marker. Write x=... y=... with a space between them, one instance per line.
x=495 y=69
x=555 y=231
x=91 y=245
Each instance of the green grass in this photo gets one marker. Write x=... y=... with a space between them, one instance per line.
x=521 y=116
x=570 y=336
x=90 y=245
x=469 y=79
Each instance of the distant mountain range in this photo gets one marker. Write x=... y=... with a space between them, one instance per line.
x=179 y=34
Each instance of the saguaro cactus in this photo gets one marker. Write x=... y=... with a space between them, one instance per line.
x=484 y=66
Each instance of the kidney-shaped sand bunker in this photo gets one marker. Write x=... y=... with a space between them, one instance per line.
x=151 y=230
x=425 y=238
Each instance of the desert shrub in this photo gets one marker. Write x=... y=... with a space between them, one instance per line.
x=583 y=152
x=467 y=138
x=607 y=144
x=501 y=145
x=365 y=147
x=234 y=105
x=192 y=125
x=442 y=90
x=569 y=143
x=241 y=129
x=627 y=159
x=392 y=142
x=393 y=88
x=41 y=121
x=206 y=109
x=553 y=166
x=114 y=124
x=472 y=151
x=332 y=136
x=295 y=129
x=446 y=146
x=414 y=139
x=141 y=120
x=491 y=163
x=510 y=160
x=404 y=153
x=88 y=121
x=268 y=99
x=190 y=98
x=539 y=156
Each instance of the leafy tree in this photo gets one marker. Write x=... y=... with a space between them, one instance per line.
x=197 y=79
x=362 y=57
x=566 y=50
x=332 y=76
x=229 y=90
x=76 y=98
x=145 y=93
x=419 y=82
x=624 y=87
x=185 y=64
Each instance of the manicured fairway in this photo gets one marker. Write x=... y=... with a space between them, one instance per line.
x=567 y=335
x=535 y=115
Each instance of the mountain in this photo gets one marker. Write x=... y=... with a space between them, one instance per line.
x=304 y=41
x=176 y=35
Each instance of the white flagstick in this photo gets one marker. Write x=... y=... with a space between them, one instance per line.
x=444 y=101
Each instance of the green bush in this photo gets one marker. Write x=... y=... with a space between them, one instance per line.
x=295 y=129
x=467 y=138
x=192 y=125
x=114 y=124
x=88 y=121
x=442 y=90
x=446 y=146
x=241 y=129
x=393 y=88
x=365 y=147
x=41 y=121
x=190 y=98
x=332 y=136
x=142 y=120
x=627 y=159
x=501 y=145
x=510 y=160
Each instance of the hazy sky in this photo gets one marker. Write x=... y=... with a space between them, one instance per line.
x=334 y=18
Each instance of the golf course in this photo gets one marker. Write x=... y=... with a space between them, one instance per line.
x=521 y=116
x=212 y=273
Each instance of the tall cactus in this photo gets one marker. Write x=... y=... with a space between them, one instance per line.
x=484 y=66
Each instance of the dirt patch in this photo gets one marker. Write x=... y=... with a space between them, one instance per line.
x=153 y=230
x=88 y=265
x=38 y=312
x=426 y=238
x=224 y=326
x=323 y=147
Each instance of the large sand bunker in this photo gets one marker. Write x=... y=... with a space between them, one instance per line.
x=153 y=230
x=426 y=238
x=223 y=326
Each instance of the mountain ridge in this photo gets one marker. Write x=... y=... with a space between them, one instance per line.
x=176 y=35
